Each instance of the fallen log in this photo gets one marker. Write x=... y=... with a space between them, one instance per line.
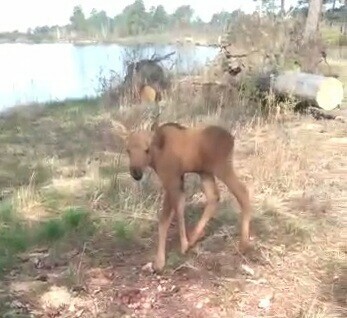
x=326 y=92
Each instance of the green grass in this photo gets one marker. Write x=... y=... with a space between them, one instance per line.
x=60 y=186
x=73 y=227
x=333 y=36
x=18 y=236
x=124 y=231
x=15 y=236
x=51 y=231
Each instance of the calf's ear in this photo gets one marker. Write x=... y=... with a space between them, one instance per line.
x=120 y=129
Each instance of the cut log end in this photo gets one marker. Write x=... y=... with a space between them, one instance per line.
x=330 y=94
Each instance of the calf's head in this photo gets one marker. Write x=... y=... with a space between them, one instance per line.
x=138 y=150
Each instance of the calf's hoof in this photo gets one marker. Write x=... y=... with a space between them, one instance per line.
x=184 y=247
x=159 y=265
x=193 y=238
x=244 y=246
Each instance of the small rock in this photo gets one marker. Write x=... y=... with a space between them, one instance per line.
x=17 y=304
x=147 y=305
x=265 y=302
x=159 y=288
x=13 y=272
x=144 y=288
x=72 y=307
x=199 y=305
x=136 y=305
x=42 y=277
x=148 y=267
x=38 y=263
x=247 y=269
x=174 y=289
x=79 y=288
x=259 y=281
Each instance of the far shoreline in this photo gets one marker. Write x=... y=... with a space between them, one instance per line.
x=150 y=39
x=86 y=101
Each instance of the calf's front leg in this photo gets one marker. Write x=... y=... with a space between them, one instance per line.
x=177 y=202
x=165 y=218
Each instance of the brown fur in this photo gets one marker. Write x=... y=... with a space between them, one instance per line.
x=173 y=150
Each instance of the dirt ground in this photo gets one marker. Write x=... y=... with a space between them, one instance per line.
x=296 y=171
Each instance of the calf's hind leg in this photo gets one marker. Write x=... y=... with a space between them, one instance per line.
x=212 y=197
x=174 y=187
x=178 y=202
x=238 y=189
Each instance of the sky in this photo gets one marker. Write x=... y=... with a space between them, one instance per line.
x=23 y=14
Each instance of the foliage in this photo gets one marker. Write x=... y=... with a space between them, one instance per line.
x=78 y=19
x=137 y=20
x=224 y=17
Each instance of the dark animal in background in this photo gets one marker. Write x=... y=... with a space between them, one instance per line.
x=147 y=72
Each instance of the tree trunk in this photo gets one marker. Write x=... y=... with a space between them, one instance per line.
x=312 y=21
x=334 y=5
x=345 y=23
x=282 y=7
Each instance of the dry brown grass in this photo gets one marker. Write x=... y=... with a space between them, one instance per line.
x=74 y=166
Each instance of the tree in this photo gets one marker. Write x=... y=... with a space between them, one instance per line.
x=78 y=19
x=269 y=6
x=283 y=7
x=135 y=18
x=312 y=21
x=159 y=18
x=183 y=15
x=345 y=23
x=99 y=22
x=197 y=22
x=223 y=18
x=333 y=2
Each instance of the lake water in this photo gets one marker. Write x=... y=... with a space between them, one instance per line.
x=32 y=73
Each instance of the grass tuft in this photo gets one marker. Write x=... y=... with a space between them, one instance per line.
x=124 y=231
x=51 y=231
x=75 y=217
x=14 y=235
